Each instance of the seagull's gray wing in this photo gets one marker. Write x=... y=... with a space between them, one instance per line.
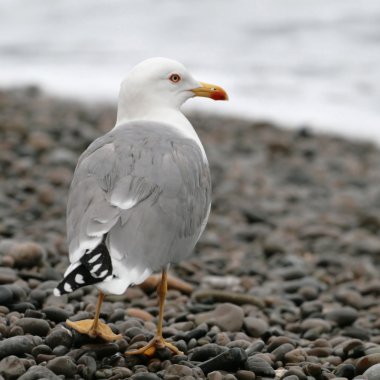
x=134 y=177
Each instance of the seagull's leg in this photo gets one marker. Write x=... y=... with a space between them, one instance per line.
x=94 y=327
x=158 y=341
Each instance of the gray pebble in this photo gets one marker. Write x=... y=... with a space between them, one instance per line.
x=62 y=365
x=56 y=314
x=227 y=316
x=259 y=366
x=11 y=367
x=343 y=316
x=17 y=345
x=58 y=338
x=228 y=361
x=255 y=327
x=6 y=295
x=38 y=373
x=373 y=373
x=34 y=326
x=207 y=351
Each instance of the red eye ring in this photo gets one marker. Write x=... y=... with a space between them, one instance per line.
x=175 y=78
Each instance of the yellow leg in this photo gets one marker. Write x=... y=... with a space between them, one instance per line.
x=94 y=327
x=158 y=341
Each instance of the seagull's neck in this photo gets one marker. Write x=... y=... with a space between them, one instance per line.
x=166 y=115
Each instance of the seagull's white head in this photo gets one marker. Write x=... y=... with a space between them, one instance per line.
x=161 y=83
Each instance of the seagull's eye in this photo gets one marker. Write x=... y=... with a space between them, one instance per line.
x=175 y=78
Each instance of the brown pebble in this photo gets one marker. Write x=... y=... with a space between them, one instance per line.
x=139 y=313
x=367 y=361
x=151 y=283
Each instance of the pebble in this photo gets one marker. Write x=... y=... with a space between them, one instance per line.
x=366 y=362
x=373 y=372
x=255 y=327
x=207 y=351
x=62 y=365
x=227 y=316
x=38 y=373
x=259 y=366
x=56 y=314
x=6 y=295
x=59 y=337
x=227 y=361
x=245 y=375
x=306 y=216
x=27 y=254
x=34 y=326
x=177 y=372
x=345 y=370
x=17 y=345
x=87 y=366
x=343 y=316
x=11 y=367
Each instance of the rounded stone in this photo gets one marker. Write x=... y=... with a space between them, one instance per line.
x=11 y=367
x=227 y=316
x=62 y=365
x=177 y=372
x=39 y=372
x=343 y=316
x=27 y=254
x=59 y=337
x=255 y=327
x=366 y=362
x=245 y=375
x=34 y=326
x=373 y=373
x=259 y=366
x=16 y=345
x=56 y=314
x=6 y=295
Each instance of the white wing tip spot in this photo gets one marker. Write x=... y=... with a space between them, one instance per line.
x=67 y=287
x=56 y=292
x=95 y=268
x=79 y=279
x=102 y=274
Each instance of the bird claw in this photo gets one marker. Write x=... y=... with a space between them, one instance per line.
x=152 y=346
x=87 y=327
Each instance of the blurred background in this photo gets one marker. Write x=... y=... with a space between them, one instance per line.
x=295 y=62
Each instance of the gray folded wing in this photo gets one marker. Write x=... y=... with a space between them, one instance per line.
x=145 y=186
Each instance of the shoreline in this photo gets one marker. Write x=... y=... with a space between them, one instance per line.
x=290 y=255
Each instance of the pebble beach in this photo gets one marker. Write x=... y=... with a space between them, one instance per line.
x=284 y=283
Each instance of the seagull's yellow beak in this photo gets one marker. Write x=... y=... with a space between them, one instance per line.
x=210 y=91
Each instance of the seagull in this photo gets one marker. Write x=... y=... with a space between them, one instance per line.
x=140 y=195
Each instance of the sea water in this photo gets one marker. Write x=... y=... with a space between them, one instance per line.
x=296 y=62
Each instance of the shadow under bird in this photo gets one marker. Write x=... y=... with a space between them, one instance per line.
x=141 y=194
